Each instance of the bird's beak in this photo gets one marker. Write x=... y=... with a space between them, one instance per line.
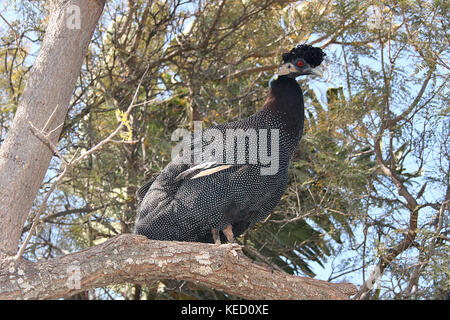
x=316 y=73
x=310 y=71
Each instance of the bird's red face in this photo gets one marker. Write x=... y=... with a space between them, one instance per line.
x=302 y=67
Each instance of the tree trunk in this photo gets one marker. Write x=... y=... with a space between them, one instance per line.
x=24 y=159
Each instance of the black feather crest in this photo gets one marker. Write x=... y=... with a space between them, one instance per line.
x=313 y=55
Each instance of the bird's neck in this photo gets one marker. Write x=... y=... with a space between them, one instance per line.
x=286 y=97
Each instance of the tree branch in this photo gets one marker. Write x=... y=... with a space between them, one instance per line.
x=135 y=259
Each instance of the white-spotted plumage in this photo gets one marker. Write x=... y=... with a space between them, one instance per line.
x=207 y=172
x=199 y=167
x=185 y=202
x=190 y=202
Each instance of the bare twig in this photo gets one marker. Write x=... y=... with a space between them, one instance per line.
x=16 y=35
x=70 y=164
x=45 y=138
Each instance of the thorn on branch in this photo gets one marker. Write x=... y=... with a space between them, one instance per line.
x=45 y=138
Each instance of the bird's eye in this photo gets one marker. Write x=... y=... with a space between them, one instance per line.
x=300 y=63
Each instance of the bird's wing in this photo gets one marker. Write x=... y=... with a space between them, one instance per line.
x=203 y=169
x=206 y=167
x=194 y=169
x=177 y=170
x=140 y=194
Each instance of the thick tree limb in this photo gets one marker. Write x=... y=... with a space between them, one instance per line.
x=135 y=259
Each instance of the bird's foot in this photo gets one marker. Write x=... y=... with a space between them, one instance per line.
x=228 y=231
x=216 y=237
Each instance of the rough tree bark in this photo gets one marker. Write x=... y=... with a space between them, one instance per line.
x=135 y=259
x=24 y=158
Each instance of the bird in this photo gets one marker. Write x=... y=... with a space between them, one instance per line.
x=215 y=200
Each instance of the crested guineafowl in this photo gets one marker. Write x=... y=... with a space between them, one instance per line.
x=219 y=198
